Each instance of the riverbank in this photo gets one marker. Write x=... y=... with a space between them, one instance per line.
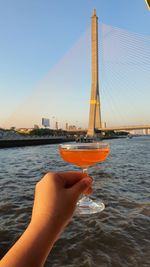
x=7 y=143
x=35 y=141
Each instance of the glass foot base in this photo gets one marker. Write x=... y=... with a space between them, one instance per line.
x=87 y=206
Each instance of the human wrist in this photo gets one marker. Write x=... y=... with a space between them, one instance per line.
x=50 y=227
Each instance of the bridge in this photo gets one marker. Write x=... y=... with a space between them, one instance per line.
x=95 y=122
x=125 y=128
x=119 y=128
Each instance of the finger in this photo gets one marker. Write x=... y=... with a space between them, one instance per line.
x=71 y=178
x=81 y=186
x=88 y=191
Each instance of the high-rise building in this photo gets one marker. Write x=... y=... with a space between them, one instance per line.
x=66 y=128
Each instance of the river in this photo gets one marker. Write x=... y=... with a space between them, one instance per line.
x=117 y=237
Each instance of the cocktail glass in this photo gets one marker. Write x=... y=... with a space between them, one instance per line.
x=85 y=155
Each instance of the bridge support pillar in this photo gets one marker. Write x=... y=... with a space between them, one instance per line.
x=94 y=114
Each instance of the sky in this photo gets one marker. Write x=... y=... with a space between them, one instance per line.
x=45 y=64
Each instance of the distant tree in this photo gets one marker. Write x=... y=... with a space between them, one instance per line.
x=45 y=131
x=41 y=132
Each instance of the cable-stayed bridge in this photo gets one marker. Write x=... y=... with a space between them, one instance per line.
x=95 y=122
x=119 y=128
x=120 y=84
x=125 y=128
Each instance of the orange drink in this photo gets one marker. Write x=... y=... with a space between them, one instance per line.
x=84 y=156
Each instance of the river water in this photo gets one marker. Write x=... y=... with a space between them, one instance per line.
x=118 y=237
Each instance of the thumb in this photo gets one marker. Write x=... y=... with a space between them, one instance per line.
x=81 y=186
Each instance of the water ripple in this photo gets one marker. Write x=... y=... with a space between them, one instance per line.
x=117 y=237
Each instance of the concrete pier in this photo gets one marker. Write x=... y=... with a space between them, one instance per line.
x=33 y=141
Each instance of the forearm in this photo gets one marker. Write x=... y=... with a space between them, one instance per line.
x=56 y=195
x=32 y=248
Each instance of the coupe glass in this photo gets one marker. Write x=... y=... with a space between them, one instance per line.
x=85 y=155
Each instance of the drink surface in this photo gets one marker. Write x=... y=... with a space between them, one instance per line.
x=84 y=157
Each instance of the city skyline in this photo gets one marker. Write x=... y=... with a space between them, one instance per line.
x=37 y=60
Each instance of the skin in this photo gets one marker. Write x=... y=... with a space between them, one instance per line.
x=56 y=195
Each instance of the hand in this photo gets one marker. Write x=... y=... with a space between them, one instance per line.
x=55 y=200
x=56 y=196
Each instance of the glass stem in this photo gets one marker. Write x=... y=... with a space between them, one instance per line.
x=85 y=170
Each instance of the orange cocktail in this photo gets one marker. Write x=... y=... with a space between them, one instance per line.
x=84 y=156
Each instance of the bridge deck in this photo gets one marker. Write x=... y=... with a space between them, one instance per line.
x=119 y=128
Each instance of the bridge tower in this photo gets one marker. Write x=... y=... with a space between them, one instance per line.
x=94 y=114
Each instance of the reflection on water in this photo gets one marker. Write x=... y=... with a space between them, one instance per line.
x=118 y=237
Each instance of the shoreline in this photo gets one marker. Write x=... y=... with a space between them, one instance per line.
x=8 y=143
x=21 y=142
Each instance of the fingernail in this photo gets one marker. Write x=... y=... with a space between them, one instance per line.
x=86 y=175
x=88 y=180
x=91 y=177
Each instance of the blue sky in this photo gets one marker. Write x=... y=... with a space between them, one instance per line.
x=41 y=42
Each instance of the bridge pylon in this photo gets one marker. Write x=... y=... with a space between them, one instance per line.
x=94 y=114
